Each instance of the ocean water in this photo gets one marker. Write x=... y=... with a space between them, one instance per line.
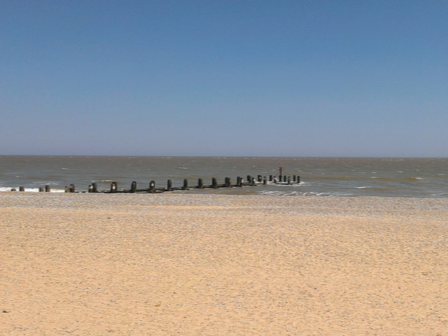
x=387 y=177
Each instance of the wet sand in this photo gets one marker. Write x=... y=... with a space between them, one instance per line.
x=171 y=264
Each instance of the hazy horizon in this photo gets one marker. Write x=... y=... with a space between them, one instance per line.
x=239 y=156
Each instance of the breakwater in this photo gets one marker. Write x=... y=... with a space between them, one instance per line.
x=249 y=181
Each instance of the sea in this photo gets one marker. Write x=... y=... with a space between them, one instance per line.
x=384 y=177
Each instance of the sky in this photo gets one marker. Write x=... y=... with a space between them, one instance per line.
x=302 y=78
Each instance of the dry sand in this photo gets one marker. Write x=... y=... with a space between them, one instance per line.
x=171 y=264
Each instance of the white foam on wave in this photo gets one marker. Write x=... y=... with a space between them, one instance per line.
x=280 y=193
x=296 y=193
x=32 y=190
x=283 y=184
x=311 y=193
x=5 y=189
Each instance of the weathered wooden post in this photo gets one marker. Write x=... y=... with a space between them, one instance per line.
x=270 y=178
x=21 y=188
x=47 y=188
x=200 y=184
x=133 y=187
x=289 y=179
x=94 y=187
x=113 y=187
x=41 y=189
x=227 y=182
x=284 y=178
x=239 y=181
x=265 y=181
x=249 y=179
x=260 y=179
x=72 y=188
x=169 y=185
x=252 y=181
x=152 y=187
x=298 y=179
x=185 y=186
x=294 y=178
x=214 y=183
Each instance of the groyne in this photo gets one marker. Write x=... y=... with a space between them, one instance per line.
x=249 y=181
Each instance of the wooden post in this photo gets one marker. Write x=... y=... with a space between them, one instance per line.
x=185 y=186
x=298 y=179
x=152 y=187
x=47 y=188
x=252 y=181
x=169 y=185
x=265 y=181
x=133 y=186
x=294 y=178
x=280 y=178
x=214 y=183
x=41 y=189
x=249 y=179
x=260 y=179
x=227 y=182
x=289 y=179
x=90 y=189
x=113 y=187
x=72 y=188
x=270 y=178
x=284 y=178
x=239 y=181
x=21 y=188
x=200 y=184
x=94 y=187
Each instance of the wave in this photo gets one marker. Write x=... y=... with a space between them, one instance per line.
x=375 y=188
x=398 y=179
x=365 y=178
x=308 y=193
x=301 y=184
x=109 y=181
x=335 y=178
x=12 y=189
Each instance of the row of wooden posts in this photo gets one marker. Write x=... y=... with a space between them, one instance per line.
x=240 y=182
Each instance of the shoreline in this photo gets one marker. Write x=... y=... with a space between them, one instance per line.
x=223 y=264
x=213 y=192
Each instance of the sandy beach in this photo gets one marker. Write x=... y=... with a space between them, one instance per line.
x=174 y=264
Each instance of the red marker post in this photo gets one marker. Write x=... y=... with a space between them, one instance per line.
x=280 y=173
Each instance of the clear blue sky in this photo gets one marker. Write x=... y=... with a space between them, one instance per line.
x=224 y=78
